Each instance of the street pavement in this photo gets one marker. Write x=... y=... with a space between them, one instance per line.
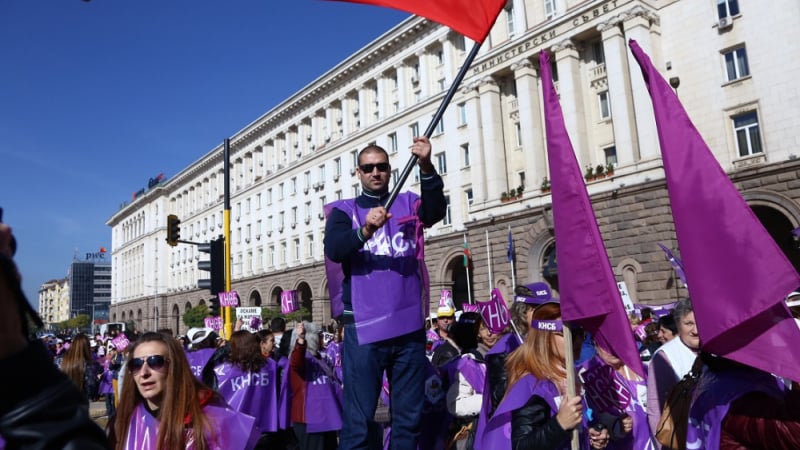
x=97 y=411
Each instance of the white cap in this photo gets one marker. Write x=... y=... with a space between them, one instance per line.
x=198 y=335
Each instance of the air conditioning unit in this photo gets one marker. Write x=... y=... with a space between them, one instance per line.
x=415 y=79
x=299 y=153
x=280 y=229
x=339 y=120
x=353 y=171
x=321 y=184
x=316 y=186
x=295 y=144
x=321 y=216
x=308 y=220
x=725 y=22
x=336 y=177
x=305 y=190
x=308 y=138
x=294 y=224
x=247 y=240
x=258 y=237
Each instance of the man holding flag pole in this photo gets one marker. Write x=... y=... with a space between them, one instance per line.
x=362 y=259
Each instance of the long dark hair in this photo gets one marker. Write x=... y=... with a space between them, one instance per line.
x=181 y=401
x=75 y=360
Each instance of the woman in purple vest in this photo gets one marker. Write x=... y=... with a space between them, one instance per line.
x=537 y=411
x=165 y=407
x=247 y=381
x=316 y=393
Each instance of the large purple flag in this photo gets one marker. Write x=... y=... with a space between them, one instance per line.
x=589 y=293
x=677 y=265
x=738 y=275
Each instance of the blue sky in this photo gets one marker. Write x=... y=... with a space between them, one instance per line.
x=97 y=97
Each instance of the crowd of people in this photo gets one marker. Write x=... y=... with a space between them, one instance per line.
x=385 y=375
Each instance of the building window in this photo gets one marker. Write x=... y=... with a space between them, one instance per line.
x=610 y=154
x=271 y=256
x=310 y=241
x=296 y=249
x=395 y=176
x=549 y=8
x=322 y=173
x=465 y=154
x=280 y=191
x=269 y=196
x=748 y=138
x=337 y=167
x=258 y=201
x=597 y=53
x=518 y=134
x=441 y=163
x=284 y=256
x=294 y=215
x=727 y=8
x=510 y=19
x=393 y=143
x=294 y=185
x=281 y=220
x=462 y=114
x=355 y=190
x=605 y=105
x=414 y=128
x=736 y=64
x=439 y=127
x=447 y=218
x=468 y=195
x=338 y=194
x=442 y=83
x=439 y=53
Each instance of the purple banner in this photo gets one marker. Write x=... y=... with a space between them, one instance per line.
x=547 y=325
x=289 y=303
x=253 y=393
x=228 y=298
x=121 y=342
x=495 y=312
x=214 y=323
x=468 y=307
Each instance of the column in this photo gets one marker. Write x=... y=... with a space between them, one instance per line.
x=424 y=74
x=623 y=119
x=362 y=109
x=571 y=96
x=402 y=85
x=380 y=95
x=347 y=116
x=492 y=124
x=447 y=56
x=531 y=124
x=637 y=26
x=477 y=167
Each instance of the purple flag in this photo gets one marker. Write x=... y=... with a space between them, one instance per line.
x=466 y=307
x=495 y=312
x=589 y=293
x=289 y=302
x=739 y=275
x=677 y=265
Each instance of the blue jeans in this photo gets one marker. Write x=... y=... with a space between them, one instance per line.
x=403 y=359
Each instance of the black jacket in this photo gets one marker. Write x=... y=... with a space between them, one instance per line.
x=41 y=408
x=533 y=427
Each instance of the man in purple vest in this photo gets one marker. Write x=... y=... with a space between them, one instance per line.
x=377 y=282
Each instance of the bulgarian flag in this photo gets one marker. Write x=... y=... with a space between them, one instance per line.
x=473 y=18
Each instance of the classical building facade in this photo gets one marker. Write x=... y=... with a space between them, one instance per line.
x=54 y=301
x=722 y=58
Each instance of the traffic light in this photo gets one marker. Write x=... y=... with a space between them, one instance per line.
x=173 y=230
x=213 y=308
x=215 y=266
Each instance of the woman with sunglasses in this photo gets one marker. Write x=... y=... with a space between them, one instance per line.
x=537 y=406
x=165 y=407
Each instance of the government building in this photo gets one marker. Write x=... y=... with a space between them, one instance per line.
x=731 y=64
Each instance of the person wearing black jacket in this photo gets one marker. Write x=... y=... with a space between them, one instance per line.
x=40 y=408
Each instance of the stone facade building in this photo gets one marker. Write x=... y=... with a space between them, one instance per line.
x=726 y=61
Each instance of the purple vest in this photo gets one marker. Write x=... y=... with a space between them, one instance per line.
x=198 y=359
x=253 y=393
x=323 y=397
x=712 y=397
x=284 y=395
x=507 y=344
x=230 y=430
x=607 y=391
x=497 y=435
x=392 y=261
x=334 y=355
x=106 y=383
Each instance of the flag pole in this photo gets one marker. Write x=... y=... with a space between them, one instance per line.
x=513 y=277
x=434 y=122
x=489 y=258
x=569 y=366
x=466 y=267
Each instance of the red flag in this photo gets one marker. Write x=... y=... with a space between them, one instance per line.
x=473 y=19
x=738 y=275
x=589 y=293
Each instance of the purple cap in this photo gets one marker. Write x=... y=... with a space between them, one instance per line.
x=541 y=294
x=547 y=325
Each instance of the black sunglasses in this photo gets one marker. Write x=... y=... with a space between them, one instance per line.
x=155 y=362
x=368 y=168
